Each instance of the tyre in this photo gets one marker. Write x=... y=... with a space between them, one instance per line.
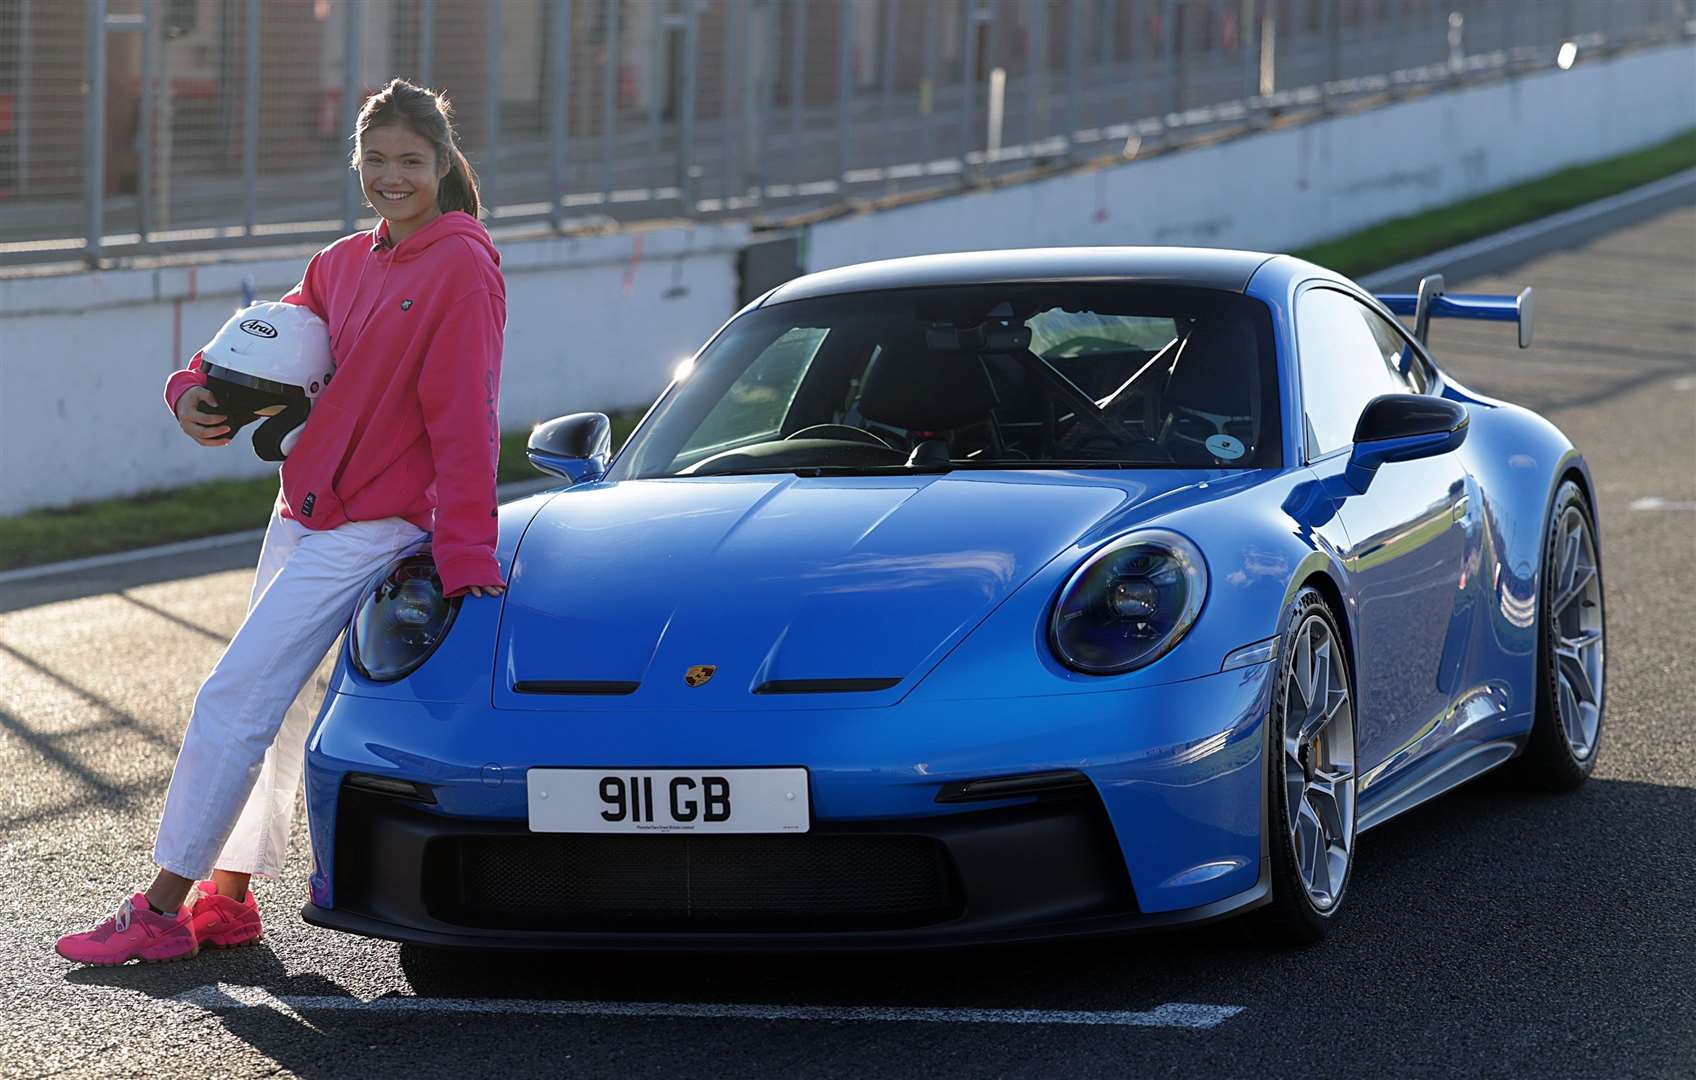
x=1310 y=776
x=1571 y=658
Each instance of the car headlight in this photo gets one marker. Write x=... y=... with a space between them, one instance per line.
x=401 y=620
x=1129 y=604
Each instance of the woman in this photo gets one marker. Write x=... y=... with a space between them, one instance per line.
x=403 y=443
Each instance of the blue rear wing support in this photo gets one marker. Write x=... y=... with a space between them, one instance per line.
x=1431 y=300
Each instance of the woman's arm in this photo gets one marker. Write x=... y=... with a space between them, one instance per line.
x=181 y=382
x=459 y=390
x=306 y=293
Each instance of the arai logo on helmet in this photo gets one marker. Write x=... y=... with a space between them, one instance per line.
x=259 y=328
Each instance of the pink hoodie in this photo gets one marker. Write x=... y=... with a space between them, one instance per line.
x=408 y=426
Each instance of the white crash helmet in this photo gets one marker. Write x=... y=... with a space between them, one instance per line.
x=269 y=360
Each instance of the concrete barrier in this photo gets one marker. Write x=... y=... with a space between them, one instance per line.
x=1287 y=188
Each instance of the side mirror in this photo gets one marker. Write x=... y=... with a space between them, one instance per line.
x=576 y=447
x=1402 y=427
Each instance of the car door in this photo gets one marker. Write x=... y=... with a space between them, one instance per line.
x=1406 y=535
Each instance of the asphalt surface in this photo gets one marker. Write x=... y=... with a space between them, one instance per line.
x=1493 y=932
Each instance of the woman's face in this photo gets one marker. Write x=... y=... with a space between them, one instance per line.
x=400 y=174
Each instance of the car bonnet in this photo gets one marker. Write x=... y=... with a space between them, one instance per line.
x=797 y=592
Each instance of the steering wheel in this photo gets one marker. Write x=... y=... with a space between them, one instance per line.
x=839 y=432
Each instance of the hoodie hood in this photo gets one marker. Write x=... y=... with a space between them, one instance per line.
x=452 y=223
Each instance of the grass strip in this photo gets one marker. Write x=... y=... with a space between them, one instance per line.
x=187 y=513
x=225 y=506
x=1409 y=237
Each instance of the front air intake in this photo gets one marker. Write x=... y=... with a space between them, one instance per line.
x=824 y=686
x=573 y=686
x=581 y=882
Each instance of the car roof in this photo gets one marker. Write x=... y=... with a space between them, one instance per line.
x=1206 y=268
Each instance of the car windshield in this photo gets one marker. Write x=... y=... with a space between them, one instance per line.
x=1055 y=375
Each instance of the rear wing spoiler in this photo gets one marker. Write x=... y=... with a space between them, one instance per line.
x=1431 y=299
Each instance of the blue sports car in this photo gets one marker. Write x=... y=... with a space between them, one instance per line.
x=975 y=598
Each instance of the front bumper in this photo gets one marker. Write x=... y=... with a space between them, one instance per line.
x=1046 y=869
x=1169 y=829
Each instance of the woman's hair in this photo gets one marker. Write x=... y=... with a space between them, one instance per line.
x=428 y=115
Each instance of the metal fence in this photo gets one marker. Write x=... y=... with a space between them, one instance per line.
x=130 y=126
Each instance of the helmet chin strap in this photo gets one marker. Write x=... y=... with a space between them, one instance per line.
x=273 y=439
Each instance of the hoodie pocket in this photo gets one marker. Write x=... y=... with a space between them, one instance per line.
x=310 y=471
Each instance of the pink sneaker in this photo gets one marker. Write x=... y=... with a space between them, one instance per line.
x=134 y=932
x=221 y=922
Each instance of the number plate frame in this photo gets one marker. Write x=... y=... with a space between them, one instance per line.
x=759 y=801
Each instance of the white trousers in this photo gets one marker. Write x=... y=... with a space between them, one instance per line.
x=232 y=794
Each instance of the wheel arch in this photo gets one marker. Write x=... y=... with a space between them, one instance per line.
x=1321 y=582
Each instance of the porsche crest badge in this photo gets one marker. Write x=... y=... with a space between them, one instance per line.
x=699 y=674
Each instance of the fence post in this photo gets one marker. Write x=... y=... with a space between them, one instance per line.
x=844 y=88
x=797 y=90
x=659 y=77
x=609 y=87
x=1174 y=65
x=731 y=87
x=559 y=118
x=968 y=82
x=1332 y=18
x=489 y=175
x=26 y=103
x=1269 y=50
x=150 y=34
x=765 y=92
x=426 y=40
x=1036 y=125
x=351 y=88
x=1247 y=44
x=1074 y=71
x=686 y=135
x=250 y=121
x=886 y=107
x=927 y=85
x=94 y=133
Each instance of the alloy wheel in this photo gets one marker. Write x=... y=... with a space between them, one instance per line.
x=1576 y=625
x=1319 y=788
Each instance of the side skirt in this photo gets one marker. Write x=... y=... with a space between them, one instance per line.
x=1474 y=762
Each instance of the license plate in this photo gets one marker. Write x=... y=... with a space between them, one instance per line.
x=668 y=801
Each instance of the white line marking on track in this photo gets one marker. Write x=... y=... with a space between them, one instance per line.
x=1655 y=502
x=225 y=996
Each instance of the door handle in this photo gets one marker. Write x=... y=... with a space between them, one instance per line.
x=1460 y=508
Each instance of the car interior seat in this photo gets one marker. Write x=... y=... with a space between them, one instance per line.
x=929 y=395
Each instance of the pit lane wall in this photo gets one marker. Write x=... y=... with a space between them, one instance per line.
x=598 y=322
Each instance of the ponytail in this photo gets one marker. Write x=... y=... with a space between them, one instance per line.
x=458 y=189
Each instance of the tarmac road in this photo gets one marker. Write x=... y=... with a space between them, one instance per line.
x=1490 y=933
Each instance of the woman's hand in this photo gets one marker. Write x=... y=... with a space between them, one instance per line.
x=205 y=428
x=485 y=590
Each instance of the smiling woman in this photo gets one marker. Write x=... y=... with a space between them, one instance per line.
x=401 y=449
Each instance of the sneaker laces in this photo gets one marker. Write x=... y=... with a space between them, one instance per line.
x=121 y=917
